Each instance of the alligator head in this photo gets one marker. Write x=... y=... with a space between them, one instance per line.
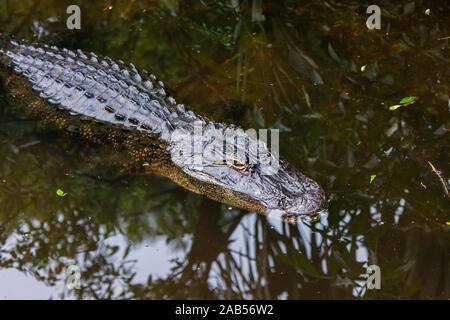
x=252 y=178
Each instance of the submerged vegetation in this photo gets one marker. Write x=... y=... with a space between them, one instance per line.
x=292 y=65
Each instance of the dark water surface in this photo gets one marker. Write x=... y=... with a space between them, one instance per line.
x=291 y=65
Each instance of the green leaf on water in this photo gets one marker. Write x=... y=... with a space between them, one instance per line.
x=61 y=193
x=407 y=99
x=363 y=68
x=372 y=177
x=404 y=102
x=427 y=12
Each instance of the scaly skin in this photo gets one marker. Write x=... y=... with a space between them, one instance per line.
x=65 y=87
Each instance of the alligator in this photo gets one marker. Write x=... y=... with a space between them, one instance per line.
x=74 y=88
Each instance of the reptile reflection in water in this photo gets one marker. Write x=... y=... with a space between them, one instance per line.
x=139 y=116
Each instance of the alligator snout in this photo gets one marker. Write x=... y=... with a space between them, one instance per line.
x=308 y=203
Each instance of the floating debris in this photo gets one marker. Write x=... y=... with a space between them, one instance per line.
x=408 y=100
x=61 y=193
x=404 y=102
x=438 y=173
x=372 y=177
x=427 y=12
x=395 y=107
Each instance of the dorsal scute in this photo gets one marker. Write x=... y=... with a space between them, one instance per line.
x=97 y=86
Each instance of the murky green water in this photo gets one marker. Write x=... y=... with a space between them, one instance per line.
x=311 y=69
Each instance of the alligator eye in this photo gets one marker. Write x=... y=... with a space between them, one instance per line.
x=237 y=164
